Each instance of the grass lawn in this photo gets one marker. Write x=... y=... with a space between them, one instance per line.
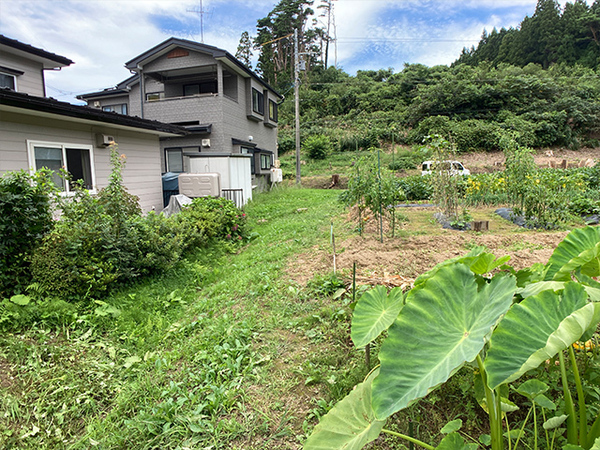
x=231 y=350
x=210 y=355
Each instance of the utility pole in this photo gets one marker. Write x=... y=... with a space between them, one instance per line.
x=297 y=102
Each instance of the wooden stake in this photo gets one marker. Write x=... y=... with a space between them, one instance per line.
x=333 y=245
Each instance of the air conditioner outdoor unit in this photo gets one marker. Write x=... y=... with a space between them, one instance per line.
x=104 y=140
x=205 y=142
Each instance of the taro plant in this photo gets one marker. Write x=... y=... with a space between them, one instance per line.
x=506 y=325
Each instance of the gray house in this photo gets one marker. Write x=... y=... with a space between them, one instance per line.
x=36 y=131
x=226 y=108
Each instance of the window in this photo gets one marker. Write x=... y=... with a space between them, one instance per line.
x=191 y=89
x=74 y=158
x=8 y=81
x=121 y=109
x=206 y=87
x=153 y=96
x=258 y=101
x=249 y=151
x=265 y=162
x=272 y=111
x=174 y=159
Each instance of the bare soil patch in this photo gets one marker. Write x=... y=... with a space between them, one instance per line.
x=478 y=162
x=7 y=377
x=421 y=244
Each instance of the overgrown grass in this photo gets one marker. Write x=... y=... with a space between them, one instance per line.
x=172 y=361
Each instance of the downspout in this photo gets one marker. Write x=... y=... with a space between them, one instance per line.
x=220 y=78
x=44 y=79
x=142 y=90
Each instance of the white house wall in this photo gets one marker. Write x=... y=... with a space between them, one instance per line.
x=142 y=171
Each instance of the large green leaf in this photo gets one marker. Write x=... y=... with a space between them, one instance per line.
x=477 y=260
x=374 y=313
x=443 y=324
x=588 y=262
x=455 y=441
x=465 y=259
x=536 y=288
x=577 y=242
x=537 y=329
x=350 y=425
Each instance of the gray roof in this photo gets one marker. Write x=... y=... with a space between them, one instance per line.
x=215 y=52
x=60 y=61
x=51 y=106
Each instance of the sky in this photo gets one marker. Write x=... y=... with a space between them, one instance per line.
x=101 y=35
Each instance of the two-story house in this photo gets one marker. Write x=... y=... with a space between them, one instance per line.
x=225 y=107
x=36 y=131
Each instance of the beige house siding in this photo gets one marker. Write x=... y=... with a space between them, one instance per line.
x=193 y=59
x=32 y=81
x=141 y=174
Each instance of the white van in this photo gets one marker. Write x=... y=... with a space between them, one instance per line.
x=454 y=167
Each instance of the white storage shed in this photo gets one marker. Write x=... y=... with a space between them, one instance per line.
x=234 y=170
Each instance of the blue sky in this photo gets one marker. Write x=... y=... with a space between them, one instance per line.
x=101 y=35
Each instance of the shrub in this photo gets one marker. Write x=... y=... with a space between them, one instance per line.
x=472 y=135
x=103 y=240
x=407 y=159
x=286 y=144
x=317 y=146
x=77 y=261
x=214 y=218
x=430 y=126
x=25 y=217
x=416 y=187
x=357 y=141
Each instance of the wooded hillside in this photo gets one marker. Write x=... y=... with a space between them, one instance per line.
x=539 y=83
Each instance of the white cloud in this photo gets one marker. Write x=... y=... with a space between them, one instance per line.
x=101 y=35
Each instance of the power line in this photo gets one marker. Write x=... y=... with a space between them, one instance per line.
x=354 y=40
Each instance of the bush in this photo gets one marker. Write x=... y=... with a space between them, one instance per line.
x=416 y=187
x=25 y=217
x=104 y=240
x=286 y=144
x=473 y=135
x=213 y=219
x=407 y=159
x=357 y=141
x=430 y=126
x=317 y=146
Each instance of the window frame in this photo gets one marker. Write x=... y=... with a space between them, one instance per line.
x=273 y=112
x=258 y=102
x=112 y=108
x=63 y=146
x=14 y=78
x=270 y=157
x=249 y=151
x=159 y=97
x=172 y=150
